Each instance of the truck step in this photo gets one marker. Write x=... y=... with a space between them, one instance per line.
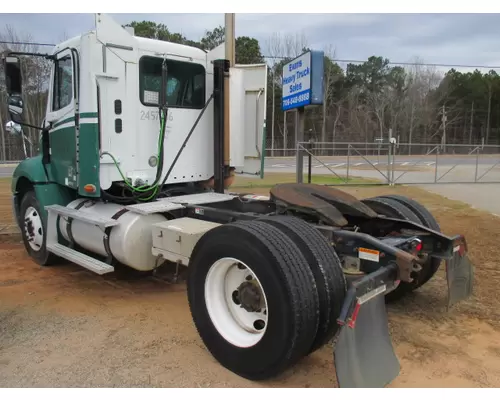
x=93 y=219
x=154 y=207
x=201 y=198
x=81 y=259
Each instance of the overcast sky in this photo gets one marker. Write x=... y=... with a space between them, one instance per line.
x=472 y=39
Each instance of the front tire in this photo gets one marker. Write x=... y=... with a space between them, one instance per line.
x=253 y=300
x=33 y=230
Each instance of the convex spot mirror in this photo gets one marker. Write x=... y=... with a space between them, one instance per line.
x=15 y=104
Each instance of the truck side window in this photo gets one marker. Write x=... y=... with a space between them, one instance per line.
x=63 y=83
x=185 y=83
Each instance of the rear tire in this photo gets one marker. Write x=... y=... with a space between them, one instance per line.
x=286 y=290
x=33 y=230
x=394 y=209
x=391 y=208
x=326 y=267
x=426 y=219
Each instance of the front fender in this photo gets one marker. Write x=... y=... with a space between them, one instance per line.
x=32 y=170
x=30 y=175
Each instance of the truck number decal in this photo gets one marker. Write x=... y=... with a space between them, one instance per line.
x=154 y=116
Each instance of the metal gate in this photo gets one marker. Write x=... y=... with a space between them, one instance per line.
x=397 y=163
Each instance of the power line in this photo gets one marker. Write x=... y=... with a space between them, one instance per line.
x=338 y=60
x=30 y=43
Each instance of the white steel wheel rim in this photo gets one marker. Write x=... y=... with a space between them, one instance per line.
x=238 y=326
x=33 y=228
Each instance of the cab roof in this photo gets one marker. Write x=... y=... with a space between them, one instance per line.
x=145 y=44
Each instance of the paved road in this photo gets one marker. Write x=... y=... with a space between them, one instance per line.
x=483 y=196
x=6 y=170
x=341 y=162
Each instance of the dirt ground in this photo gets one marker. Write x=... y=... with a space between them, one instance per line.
x=6 y=217
x=64 y=327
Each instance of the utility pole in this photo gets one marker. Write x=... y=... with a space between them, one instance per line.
x=444 y=119
x=230 y=44
x=471 y=122
x=272 y=111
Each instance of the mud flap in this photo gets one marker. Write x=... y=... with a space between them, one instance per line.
x=459 y=273
x=364 y=355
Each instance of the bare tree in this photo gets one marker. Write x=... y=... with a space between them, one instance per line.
x=331 y=75
x=282 y=47
x=35 y=73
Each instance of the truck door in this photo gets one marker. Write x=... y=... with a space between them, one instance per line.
x=61 y=116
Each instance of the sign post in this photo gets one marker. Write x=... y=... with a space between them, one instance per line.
x=302 y=81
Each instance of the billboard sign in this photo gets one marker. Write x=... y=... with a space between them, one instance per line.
x=302 y=80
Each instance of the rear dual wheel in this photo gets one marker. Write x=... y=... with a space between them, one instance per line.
x=397 y=206
x=257 y=299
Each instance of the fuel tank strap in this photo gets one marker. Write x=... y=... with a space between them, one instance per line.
x=107 y=231
x=69 y=221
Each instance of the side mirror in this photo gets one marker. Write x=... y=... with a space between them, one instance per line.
x=13 y=76
x=14 y=85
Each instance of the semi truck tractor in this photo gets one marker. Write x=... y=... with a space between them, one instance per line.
x=138 y=148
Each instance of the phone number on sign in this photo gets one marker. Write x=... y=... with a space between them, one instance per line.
x=295 y=100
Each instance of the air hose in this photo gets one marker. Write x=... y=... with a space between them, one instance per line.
x=139 y=192
x=155 y=195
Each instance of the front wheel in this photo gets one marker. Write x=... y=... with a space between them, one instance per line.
x=33 y=230
x=253 y=299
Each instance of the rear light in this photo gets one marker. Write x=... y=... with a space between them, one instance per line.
x=416 y=246
x=460 y=246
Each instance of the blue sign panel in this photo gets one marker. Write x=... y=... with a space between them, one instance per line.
x=303 y=81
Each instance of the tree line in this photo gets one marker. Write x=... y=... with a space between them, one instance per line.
x=363 y=102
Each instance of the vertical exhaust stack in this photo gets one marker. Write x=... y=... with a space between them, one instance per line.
x=229 y=20
x=222 y=109
x=221 y=167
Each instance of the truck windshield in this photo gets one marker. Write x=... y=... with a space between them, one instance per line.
x=185 y=83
